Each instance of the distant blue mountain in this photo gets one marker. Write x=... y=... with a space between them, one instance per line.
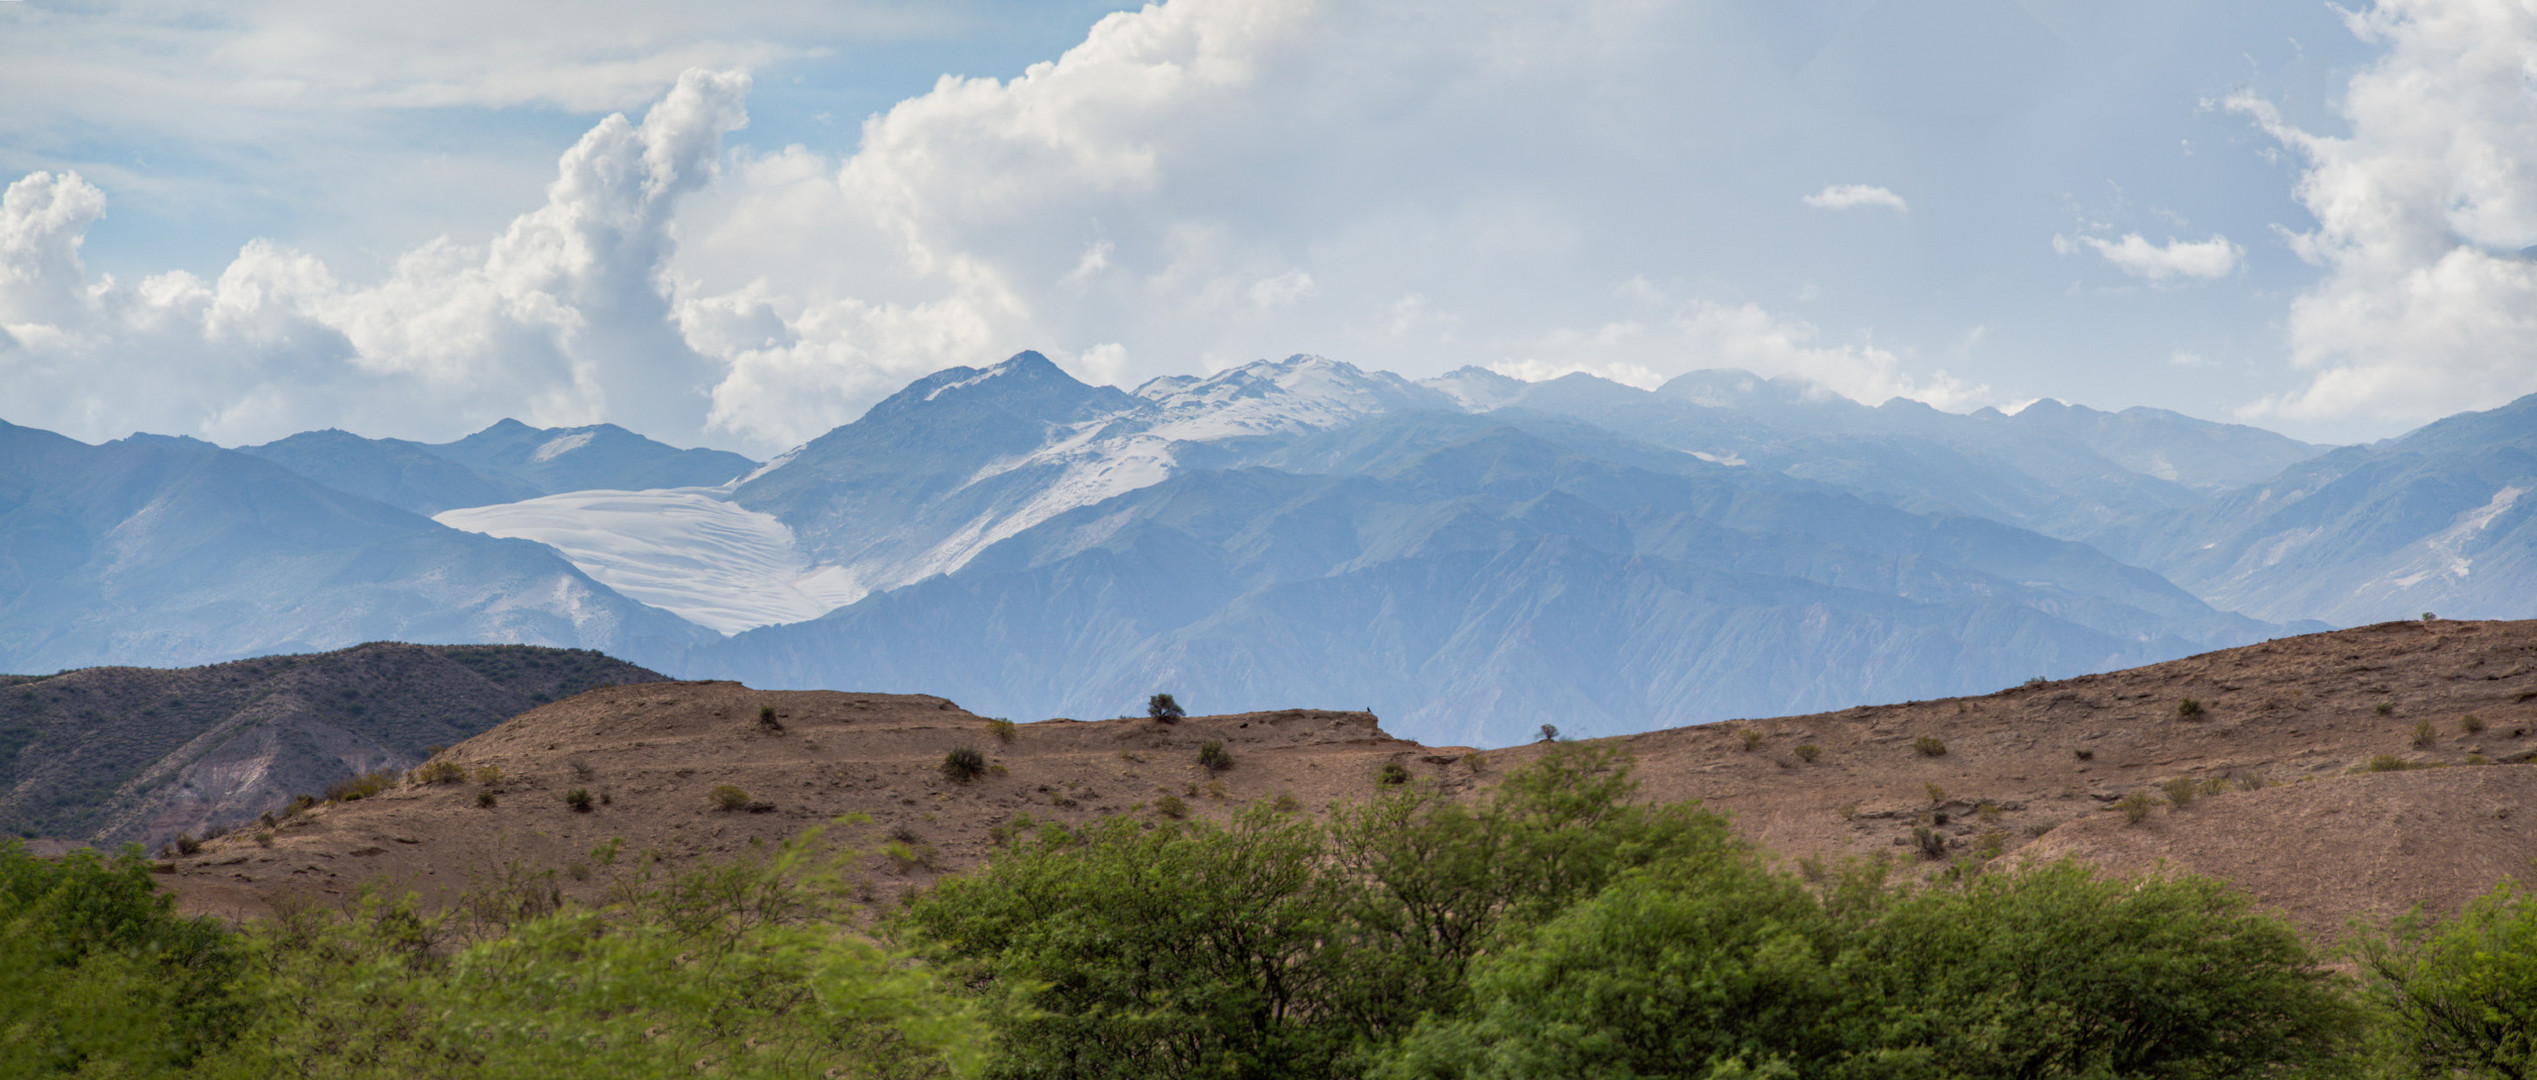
x=161 y=551
x=507 y=462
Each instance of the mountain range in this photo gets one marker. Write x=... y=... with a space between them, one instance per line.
x=1471 y=556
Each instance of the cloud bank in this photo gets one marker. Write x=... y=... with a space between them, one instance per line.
x=2425 y=214
x=2204 y=259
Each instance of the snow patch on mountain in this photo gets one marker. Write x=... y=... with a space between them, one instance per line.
x=680 y=549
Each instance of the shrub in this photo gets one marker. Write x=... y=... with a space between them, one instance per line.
x=767 y=720
x=2084 y=754
x=1937 y=793
x=1549 y=733
x=439 y=772
x=1990 y=844
x=2424 y=736
x=2189 y=708
x=2463 y=995
x=2386 y=707
x=2386 y=763
x=1161 y=707
x=1930 y=745
x=2215 y=785
x=186 y=844
x=1849 y=811
x=1003 y=730
x=1478 y=761
x=361 y=787
x=1172 y=807
x=485 y=798
x=1752 y=738
x=579 y=799
x=2136 y=806
x=1285 y=803
x=728 y=797
x=489 y=776
x=2181 y=790
x=1393 y=774
x=1808 y=752
x=1988 y=811
x=1931 y=843
x=964 y=763
x=2470 y=724
x=264 y=838
x=1214 y=756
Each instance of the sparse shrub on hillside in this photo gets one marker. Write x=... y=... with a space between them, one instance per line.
x=186 y=844
x=767 y=720
x=2189 y=708
x=728 y=797
x=264 y=838
x=579 y=799
x=1214 y=757
x=1988 y=811
x=2037 y=681
x=1285 y=803
x=1937 y=793
x=2386 y=707
x=582 y=769
x=489 y=776
x=1931 y=843
x=964 y=763
x=2478 y=759
x=361 y=787
x=2181 y=791
x=2386 y=763
x=1752 y=738
x=2253 y=782
x=1849 y=811
x=1393 y=774
x=1172 y=807
x=1550 y=733
x=439 y=772
x=1990 y=844
x=485 y=798
x=1161 y=707
x=1930 y=745
x=2084 y=754
x=1004 y=730
x=1478 y=761
x=2215 y=785
x=2136 y=806
x=2470 y=724
x=1808 y=752
x=2424 y=736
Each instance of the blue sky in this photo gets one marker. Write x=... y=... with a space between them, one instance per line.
x=741 y=225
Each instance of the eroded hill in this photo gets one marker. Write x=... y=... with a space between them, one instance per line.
x=2287 y=729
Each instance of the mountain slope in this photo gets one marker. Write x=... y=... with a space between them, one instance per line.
x=110 y=755
x=170 y=551
x=405 y=475
x=2443 y=519
x=1484 y=583
x=598 y=456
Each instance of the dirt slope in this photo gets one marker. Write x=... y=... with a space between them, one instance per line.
x=2312 y=708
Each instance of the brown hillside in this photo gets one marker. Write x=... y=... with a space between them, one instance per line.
x=2283 y=711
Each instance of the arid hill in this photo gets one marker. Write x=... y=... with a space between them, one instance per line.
x=2289 y=730
x=116 y=754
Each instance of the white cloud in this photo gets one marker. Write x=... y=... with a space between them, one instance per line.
x=2205 y=259
x=2423 y=216
x=1702 y=334
x=560 y=319
x=1851 y=196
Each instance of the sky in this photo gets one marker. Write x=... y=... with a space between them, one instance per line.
x=739 y=225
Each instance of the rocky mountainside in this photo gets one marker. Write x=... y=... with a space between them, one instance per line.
x=2438 y=520
x=110 y=755
x=1471 y=579
x=2333 y=774
x=167 y=552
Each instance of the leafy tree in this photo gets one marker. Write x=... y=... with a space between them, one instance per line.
x=100 y=976
x=2462 y=997
x=1162 y=707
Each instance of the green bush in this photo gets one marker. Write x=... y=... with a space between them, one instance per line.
x=439 y=771
x=361 y=787
x=2424 y=735
x=100 y=977
x=1003 y=730
x=2136 y=806
x=964 y=763
x=1172 y=807
x=1808 y=752
x=1214 y=757
x=2181 y=791
x=728 y=797
x=2470 y=724
x=2188 y=708
x=2463 y=995
x=1392 y=774
x=1930 y=745
x=579 y=799
x=767 y=720
x=486 y=799
x=1161 y=707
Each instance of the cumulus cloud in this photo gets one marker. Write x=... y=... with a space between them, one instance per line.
x=1700 y=334
x=1851 y=196
x=2424 y=216
x=2205 y=259
x=562 y=318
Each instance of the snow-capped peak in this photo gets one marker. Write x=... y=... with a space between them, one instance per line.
x=1300 y=393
